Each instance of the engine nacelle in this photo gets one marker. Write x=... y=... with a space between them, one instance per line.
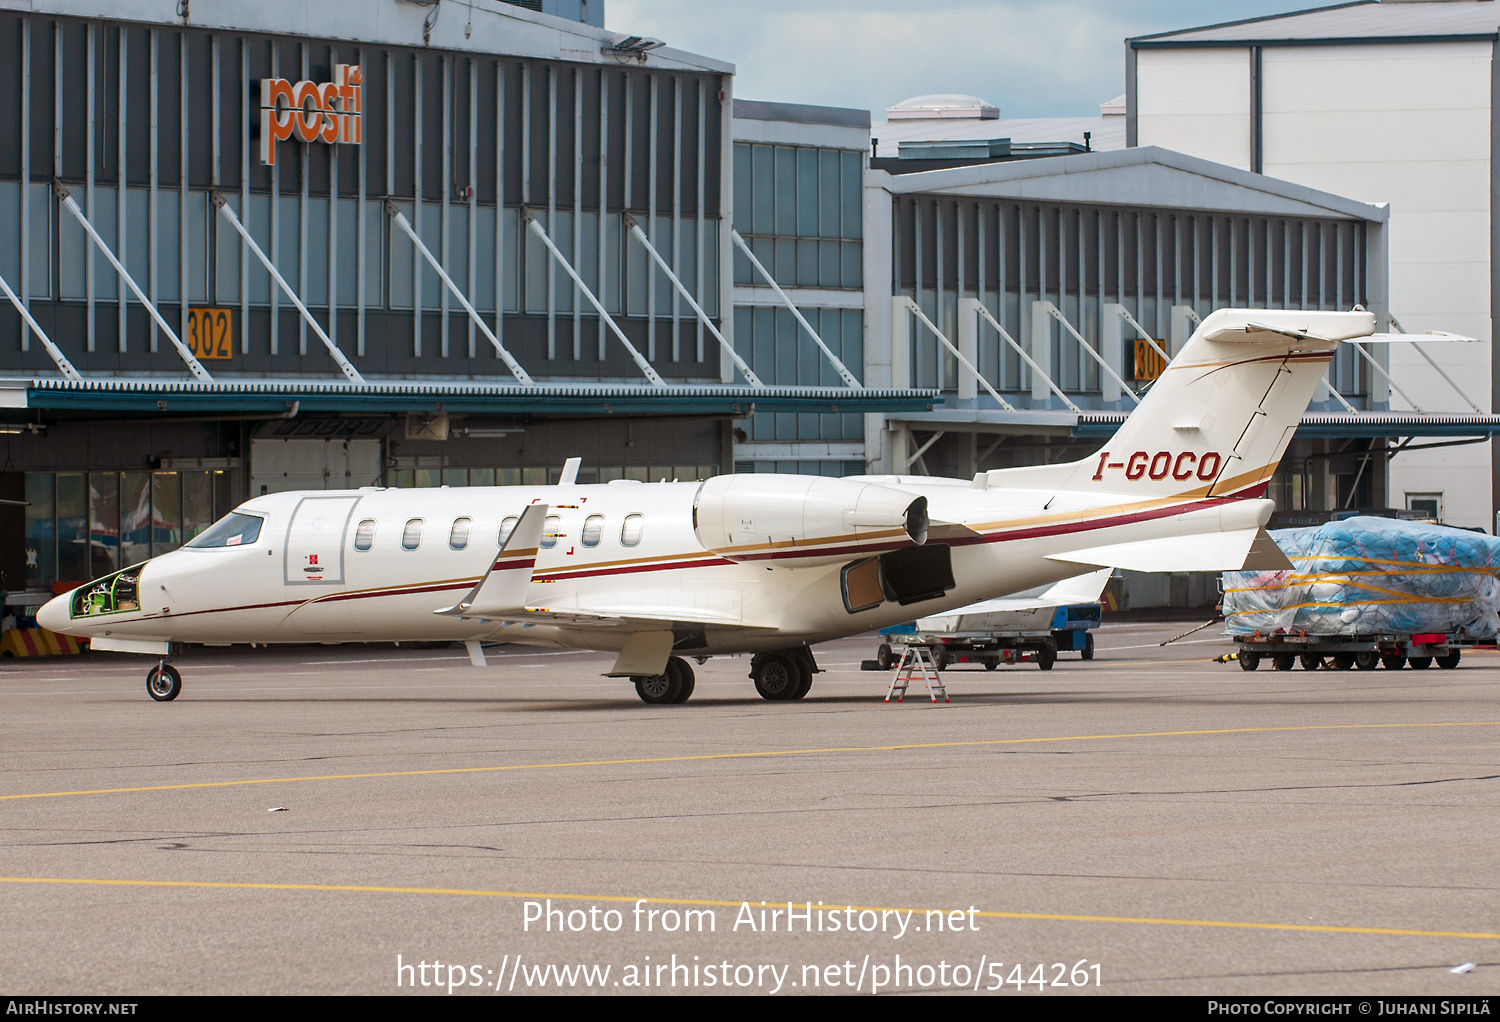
x=796 y=521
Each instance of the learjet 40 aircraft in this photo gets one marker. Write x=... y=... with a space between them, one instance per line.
x=765 y=565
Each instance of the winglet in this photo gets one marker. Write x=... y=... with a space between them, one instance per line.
x=503 y=587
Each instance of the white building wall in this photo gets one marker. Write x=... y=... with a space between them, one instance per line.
x=1195 y=102
x=1404 y=124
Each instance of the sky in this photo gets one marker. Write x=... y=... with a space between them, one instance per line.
x=1031 y=58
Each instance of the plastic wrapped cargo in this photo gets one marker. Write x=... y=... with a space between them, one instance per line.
x=1364 y=576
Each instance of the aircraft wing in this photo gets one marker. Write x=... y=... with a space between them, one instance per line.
x=632 y=618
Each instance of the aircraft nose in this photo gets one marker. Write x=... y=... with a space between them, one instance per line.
x=54 y=614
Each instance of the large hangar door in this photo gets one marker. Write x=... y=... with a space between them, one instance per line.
x=279 y=465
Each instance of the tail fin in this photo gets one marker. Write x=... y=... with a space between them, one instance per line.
x=1218 y=420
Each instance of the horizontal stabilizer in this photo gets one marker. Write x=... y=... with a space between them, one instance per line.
x=1079 y=588
x=503 y=588
x=1239 y=550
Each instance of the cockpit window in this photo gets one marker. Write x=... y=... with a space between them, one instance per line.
x=234 y=529
x=112 y=594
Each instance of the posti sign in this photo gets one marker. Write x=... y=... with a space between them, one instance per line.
x=311 y=111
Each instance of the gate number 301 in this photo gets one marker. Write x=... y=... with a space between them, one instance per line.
x=211 y=333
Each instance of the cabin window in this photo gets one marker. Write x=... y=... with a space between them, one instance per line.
x=630 y=532
x=364 y=534
x=234 y=529
x=593 y=530
x=411 y=536
x=550 y=533
x=507 y=527
x=458 y=536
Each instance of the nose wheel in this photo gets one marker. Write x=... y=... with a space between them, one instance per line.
x=163 y=682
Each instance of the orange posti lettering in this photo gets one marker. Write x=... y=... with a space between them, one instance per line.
x=311 y=111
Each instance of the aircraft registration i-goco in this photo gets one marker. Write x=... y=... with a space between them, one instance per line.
x=760 y=564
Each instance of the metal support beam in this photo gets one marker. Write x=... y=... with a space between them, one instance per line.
x=915 y=455
x=405 y=225
x=1413 y=341
x=843 y=370
x=1056 y=313
x=194 y=366
x=562 y=261
x=916 y=310
x=640 y=235
x=1385 y=375
x=333 y=349
x=985 y=313
x=1145 y=334
x=63 y=365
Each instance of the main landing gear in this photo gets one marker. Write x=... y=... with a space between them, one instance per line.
x=783 y=675
x=163 y=682
x=674 y=686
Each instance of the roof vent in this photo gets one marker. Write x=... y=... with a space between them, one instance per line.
x=943 y=105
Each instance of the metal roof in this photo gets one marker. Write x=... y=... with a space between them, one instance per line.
x=1144 y=176
x=274 y=396
x=1364 y=20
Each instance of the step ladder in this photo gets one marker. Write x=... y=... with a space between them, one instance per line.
x=917 y=663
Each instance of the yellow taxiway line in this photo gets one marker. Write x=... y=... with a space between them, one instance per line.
x=763 y=754
x=1229 y=924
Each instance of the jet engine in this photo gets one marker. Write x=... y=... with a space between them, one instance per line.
x=797 y=521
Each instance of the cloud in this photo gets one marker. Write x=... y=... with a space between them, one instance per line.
x=1028 y=57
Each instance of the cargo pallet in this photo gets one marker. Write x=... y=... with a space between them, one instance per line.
x=1363 y=651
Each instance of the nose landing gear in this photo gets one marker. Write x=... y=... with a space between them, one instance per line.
x=163 y=682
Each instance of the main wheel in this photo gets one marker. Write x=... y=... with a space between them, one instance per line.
x=1449 y=661
x=940 y=659
x=1343 y=661
x=163 y=683
x=776 y=676
x=885 y=656
x=1367 y=661
x=1393 y=662
x=804 y=685
x=658 y=688
x=1088 y=646
x=1419 y=663
x=1249 y=660
x=1283 y=661
x=1310 y=661
x=682 y=671
x=1046 y=657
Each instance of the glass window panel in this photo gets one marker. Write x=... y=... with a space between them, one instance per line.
x=102 y=216
x=830 y=264
x=851 y=196
x=41 y=531
x=613 y=233
x=72 y=254
x=508 y=476
x=458 y=252
x=455 y=477
x=828 y=193
x=807 y=264
x=426 y=477
x=286 y=255
x=742 y=189
x=786 y=190
x=537 y=260
x=632 y=530
x=403 y=478
x=374 y=250
x=481 y=477
x=852 y=265
x=593 y=530
x=258 y=223
x=510 y=260
x=138 y=237
x=807 y=192
x=10 y=240
x=197 y=503
x=316 y=294
x=104 y=523
x=458 y=536
x=743 y=273
x=166 y=512
x=663 y=243
x=507 y=527
x=551 y=531
x=784 y=267
x=364 y=534
x=763 y=195
x=39 y=213
x=687 y=265
x=636 y=261
x=135 y=517
x=227 y=246
x=411 y=535
x=73 y=562
x=710 y=299
x=588 y=257
x=637 y=472
x=402 y=252
x=197 y=246
x=234 y=529
x=169 y=247
x=347 y=229
x=562 y=237
x=484 y=260
x=432 y=236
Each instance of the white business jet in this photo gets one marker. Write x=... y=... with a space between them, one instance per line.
x=765 y=565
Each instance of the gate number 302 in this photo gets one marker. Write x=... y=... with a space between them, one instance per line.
x=211 y=333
